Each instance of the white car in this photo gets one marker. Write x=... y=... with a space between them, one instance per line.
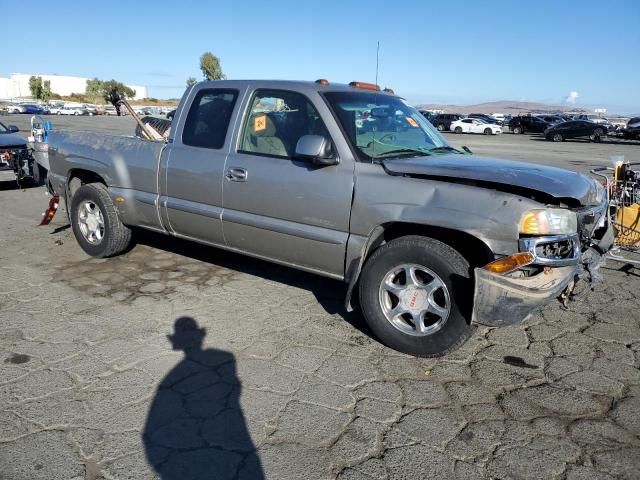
x=16 y=109
x=55 y=109
x=72 y=111
x=475 y=125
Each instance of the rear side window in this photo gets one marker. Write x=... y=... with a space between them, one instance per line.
x=208 y=118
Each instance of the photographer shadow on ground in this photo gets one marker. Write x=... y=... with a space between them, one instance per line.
x=195 y=428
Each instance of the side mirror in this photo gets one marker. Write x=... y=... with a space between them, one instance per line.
x=13 y=129
x=317 y=149
x=467 y=149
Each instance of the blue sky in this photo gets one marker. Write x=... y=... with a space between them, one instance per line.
x=430 y=51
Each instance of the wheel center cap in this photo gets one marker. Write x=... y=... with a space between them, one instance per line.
x=413 y=299
x=92 y=222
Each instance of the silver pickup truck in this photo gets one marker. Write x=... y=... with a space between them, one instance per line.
x=349 y=182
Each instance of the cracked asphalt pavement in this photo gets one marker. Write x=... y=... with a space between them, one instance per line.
x=181 y=361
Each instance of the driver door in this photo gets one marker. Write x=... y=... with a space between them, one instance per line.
x=277 y=206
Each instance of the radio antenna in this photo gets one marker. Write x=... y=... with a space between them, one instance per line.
x=377 y=60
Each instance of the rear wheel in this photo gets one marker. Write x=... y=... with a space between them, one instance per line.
x=441 y=127
x=458 y=130
x=517 y=130
x=488 y=131
x=557 y=137
x=95 y=222
x=416 y=294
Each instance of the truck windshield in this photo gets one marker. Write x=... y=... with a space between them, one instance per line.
x=383 y=126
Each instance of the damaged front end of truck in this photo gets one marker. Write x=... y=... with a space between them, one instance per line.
x=509 y=289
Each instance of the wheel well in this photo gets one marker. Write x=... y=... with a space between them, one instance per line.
x=79 y=177
x=472 y=248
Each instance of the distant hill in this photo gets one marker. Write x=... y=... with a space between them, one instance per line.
x=510 y=107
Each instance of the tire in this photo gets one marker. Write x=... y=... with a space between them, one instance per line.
x=517 y=130
x=116 y=237
x=39 y=174
x=451 y=268
x=557 y=137
x=488 y=131
x=441 y=127
x=458 y=130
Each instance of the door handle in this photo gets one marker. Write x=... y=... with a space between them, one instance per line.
x=237 y=174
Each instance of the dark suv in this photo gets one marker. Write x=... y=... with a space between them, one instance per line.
x=443 y=121
x=528 y=124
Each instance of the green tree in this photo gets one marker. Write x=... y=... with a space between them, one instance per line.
x=191 y=81
x=35 y=86
x=94 y=90
x=46 y=90
x=210 y=66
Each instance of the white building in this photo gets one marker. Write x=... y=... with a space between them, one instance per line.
x=17 y=85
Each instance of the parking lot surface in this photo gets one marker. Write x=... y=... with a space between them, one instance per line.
x=181 y=361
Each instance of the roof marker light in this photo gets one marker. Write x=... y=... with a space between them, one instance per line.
x=365 y=86
x=322 y=81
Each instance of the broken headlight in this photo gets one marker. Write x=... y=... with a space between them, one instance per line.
x=548 y=221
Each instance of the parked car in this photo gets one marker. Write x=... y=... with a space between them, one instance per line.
x=443 y=120
x=171 y=114
x=575 y=129
x=527 y=124
x=475 y=125
x=90 y=109
x=71 y=110
x=552 y=119
x=32 y=109
x=110 y=110
x=486 y=118
x=56 y=109
x=15 y=155
x=592 y=118
x=100 y=110
x=14 y=108
x=632 y=130
x=435 y=240
x=429 y=116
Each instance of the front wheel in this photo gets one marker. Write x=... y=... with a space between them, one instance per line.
x=416 y=295
x=96 y=224
x=517 y=130
x=487 y=131
x=458 y=130
x=558 y=138
x=441 y=127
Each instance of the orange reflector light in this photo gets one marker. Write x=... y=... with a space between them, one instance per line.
x=365 y=86
x=322 y=81
x=388 y=90
x=508 y=264
x=51 y=210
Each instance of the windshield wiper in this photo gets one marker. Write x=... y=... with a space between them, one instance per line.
x=403 y=150
x=445 y=148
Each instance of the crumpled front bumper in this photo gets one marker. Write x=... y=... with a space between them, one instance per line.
x=501 y=300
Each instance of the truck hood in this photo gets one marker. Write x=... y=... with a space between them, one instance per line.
x=11 y=140
x=537 y=181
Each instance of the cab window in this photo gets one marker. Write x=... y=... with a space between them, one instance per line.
x=208 y=118
x=275 y=122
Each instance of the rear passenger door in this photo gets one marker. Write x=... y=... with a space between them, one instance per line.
x=279 y=207
x=192 y=169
